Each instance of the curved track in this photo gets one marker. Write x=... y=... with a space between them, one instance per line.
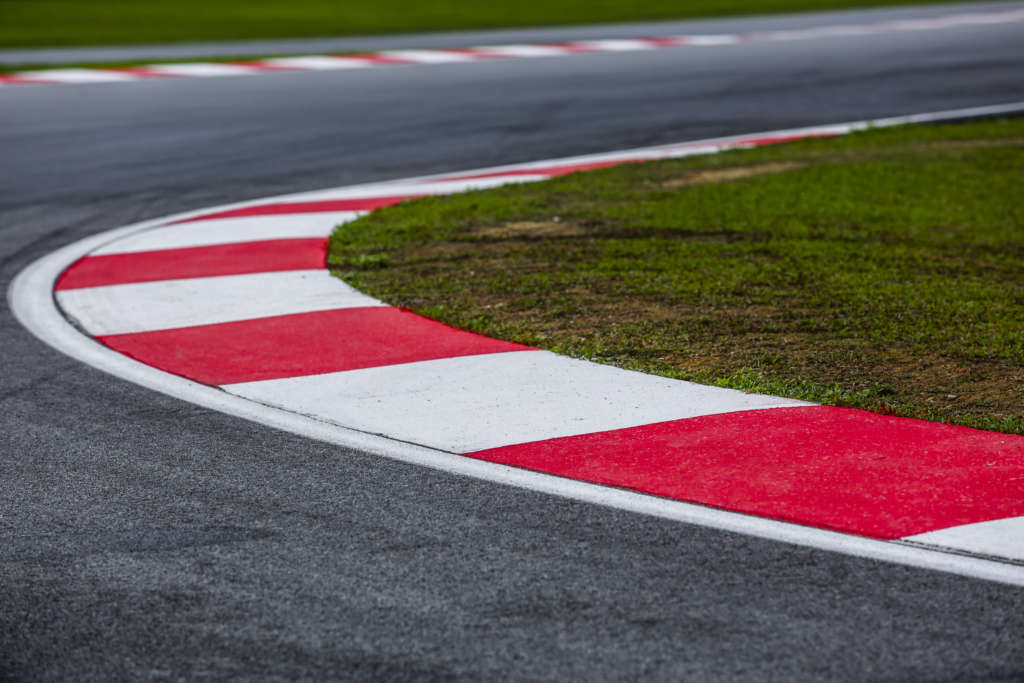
x=146 y=537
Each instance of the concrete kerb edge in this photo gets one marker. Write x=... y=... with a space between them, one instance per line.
x=30 y=297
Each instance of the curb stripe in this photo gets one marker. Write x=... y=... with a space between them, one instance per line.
x=520 y=404
x=471 y=403
x=520 y=51
x=200 y=69
x=358 y=204
x=316 y=63
x=377 y=59
x=69 y=76
x=488 y=52
x=548 y=171
x=428 y=56
x=230 y=231
x=331 y=341
x=169 y=304
x=196 y=262
x=835 y=468
x=996 y=538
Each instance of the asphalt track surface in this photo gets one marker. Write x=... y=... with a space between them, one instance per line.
x=144 y=537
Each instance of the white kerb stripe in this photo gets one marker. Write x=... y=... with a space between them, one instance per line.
x=148 y=306
x=620 y=45
x=430 y=186
x=525 y=50
x=998 y=538
x=230 y=231
x=489 y=400
x=699 y=41
x=79 y=75
x=429 y=56
x=202 y=69
x=318 y=63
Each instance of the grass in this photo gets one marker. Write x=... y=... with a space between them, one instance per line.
x=881 y=270
x=48 y=23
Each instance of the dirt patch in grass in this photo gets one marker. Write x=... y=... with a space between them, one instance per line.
x=881 y=271
x=976 y=144
x=529 y=230
x=722 y=175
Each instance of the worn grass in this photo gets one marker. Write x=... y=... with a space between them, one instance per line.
x=43 y=23
x=883 y=270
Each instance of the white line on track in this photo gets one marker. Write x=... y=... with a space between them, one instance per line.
x=31 y=299
x=997 y=538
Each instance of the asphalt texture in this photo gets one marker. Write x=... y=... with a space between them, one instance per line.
x=146 y=538
x=457 y=39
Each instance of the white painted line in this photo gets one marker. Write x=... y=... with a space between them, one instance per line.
x=476 y=402
x=147 y=306
x=202 y=70
x=319 y=63
x=231 y=231
x=998 y=538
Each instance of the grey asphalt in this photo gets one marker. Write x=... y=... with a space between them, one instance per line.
x=456 y=39
x=146 y=538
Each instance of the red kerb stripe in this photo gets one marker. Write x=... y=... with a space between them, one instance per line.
x=263 y=66
x=189 y=262
x=775 y=140
x=668 y=41
x=357 y=204
x=140 y=71
x=480 y=52
x=835 y=468
x=574 y=47
x=25 y=80
x=301 y=344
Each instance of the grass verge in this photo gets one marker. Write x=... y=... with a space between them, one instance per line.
x=48 y=23
x=883 y=270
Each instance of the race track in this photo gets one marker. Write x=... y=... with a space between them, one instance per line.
x=145 y=537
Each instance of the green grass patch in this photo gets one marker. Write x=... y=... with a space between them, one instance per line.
x=34 y=23
x=883 y=270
